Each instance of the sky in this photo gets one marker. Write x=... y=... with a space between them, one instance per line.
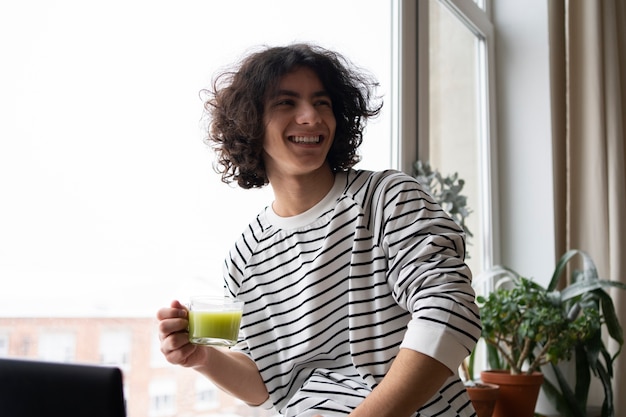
x=108 y=198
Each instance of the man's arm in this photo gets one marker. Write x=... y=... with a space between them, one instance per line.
x=411 y=381
x=236 y=374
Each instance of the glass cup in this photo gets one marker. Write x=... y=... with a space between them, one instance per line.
x=214 y=320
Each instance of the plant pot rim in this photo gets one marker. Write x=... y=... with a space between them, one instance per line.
x=482 y=385
x=503 y=377
x=505 y=372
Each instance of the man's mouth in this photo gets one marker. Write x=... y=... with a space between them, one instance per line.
x=305 y=139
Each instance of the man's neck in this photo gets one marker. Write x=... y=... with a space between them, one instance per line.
x=295 y=195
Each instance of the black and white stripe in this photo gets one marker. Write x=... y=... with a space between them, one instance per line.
x=332 y=294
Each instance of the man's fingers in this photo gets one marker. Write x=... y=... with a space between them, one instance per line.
x=171 y=326
x=174 y=341
x=170 y=313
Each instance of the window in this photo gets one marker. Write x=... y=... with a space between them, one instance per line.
x=115 y=347
x=25 y=347
x=162 y=397
x=207 y=394
x=110 y=207
x=456 y=111
x=57 y=346
x=108 y=186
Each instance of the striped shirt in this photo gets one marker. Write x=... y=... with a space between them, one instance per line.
x=332 y=294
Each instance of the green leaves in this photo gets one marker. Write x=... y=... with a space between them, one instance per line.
x=446 y=191
x=529 y=326
x=526 y=326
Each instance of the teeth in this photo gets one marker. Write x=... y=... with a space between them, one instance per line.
x=306 y=139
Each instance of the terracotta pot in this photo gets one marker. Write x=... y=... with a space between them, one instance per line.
x=518 y=393
x=483 y=398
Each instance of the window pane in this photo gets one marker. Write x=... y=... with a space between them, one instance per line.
x=481 y=3
x=110 y=206
x=454 y=141
x=115 y=348
x=57 y=346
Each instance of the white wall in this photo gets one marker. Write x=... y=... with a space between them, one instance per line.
x=524 y=137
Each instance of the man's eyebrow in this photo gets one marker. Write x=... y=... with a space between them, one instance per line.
x=290 y=93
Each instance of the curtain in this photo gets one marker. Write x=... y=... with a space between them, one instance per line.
x=588 y=70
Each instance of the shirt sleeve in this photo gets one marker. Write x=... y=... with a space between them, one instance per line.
x=428 y=274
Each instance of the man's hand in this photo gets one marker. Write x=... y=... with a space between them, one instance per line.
x=175 y=345
x=232 y=371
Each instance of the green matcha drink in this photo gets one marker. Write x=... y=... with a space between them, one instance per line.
x=214 y=320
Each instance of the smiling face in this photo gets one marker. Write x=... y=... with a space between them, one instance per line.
x=299 y=126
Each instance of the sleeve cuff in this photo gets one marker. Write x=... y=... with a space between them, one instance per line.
x=436 y=343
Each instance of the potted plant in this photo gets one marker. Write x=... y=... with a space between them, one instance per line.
x=584 y=302
x=527 y=326
x=482 y=394
x=586 y=292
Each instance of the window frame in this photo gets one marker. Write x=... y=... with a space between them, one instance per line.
x=410 y=78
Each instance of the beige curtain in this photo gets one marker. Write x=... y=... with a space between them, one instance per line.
x=588 y=63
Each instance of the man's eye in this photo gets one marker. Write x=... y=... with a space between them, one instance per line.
x=324 y=103
x=284 y=103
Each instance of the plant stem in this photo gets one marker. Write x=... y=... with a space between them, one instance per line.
x=523 y=355
x=538 y=360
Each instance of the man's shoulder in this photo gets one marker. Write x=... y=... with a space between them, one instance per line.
x=364 y=182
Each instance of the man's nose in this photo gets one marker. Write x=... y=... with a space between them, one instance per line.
x=307 y=114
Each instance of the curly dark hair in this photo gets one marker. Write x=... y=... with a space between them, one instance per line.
x=235 y=108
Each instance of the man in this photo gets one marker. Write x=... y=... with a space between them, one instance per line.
x=357 y=298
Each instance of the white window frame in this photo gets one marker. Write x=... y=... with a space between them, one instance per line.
x=411 y=113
